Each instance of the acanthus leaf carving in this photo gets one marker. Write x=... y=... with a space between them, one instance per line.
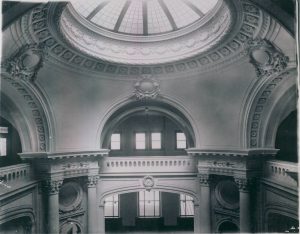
x=146 y=88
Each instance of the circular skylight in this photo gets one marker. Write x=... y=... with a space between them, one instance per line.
x=143 y=17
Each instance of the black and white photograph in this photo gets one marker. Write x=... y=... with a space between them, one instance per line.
x=149 y=116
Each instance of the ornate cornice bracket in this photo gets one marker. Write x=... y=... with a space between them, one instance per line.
x=266 y=59
x=26 y=62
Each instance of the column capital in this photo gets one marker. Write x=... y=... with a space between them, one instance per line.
x=92 y=181
x=52 y=186
x=204 y=179
x=244 y=184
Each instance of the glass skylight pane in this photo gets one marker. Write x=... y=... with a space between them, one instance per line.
x=85 y=7
x=204 y=5
x=108 y=16
x=3 y=145
x=157 y=20
x=182 y=14
x=133 y=19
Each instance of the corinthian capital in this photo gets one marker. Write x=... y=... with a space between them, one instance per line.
x=92 y=181
x=51 y=186
x=244 y=184
x=204 y=179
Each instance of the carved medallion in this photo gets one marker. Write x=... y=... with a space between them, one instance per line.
x=267 y=59
x=148 y=182
x=25 y=63
x=146 y=88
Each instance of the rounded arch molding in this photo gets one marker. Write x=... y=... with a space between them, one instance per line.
x=29 y=106
x=272 y=101
x=129 y=106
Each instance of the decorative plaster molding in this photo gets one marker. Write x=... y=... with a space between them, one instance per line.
x=25 y=63
x=255 y=118
x=266 y=59
x=148 y=182
x=146 y=88
x=36 y=109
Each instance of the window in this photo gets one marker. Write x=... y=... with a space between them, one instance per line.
x=111 y=206
x=3 y=141
x=149 y=203
x=186 y=205
x=156 y=140
x=115 y=141
x=180 y=140
x=140 y=141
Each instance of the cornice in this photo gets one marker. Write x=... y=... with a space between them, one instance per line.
x=230 y=152
x=63 y=155
x=249 y=20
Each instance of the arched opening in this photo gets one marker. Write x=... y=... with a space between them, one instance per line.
x=148 y=210
x=281 y=223
x=10 y=144
x=228 y=227
x=22 y=225
x=147 y=128
x=286 y=139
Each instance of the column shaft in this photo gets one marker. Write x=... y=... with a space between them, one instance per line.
x=245 y=221
x=53 y=213
x=92 y=210
x=204 y=214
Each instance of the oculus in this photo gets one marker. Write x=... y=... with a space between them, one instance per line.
x=227 y=194
x=70 y=196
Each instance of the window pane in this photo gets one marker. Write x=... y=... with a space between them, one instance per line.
x=156 y=140
x=111 y=206
x=4 y=130
x=115 y=141
x=3 y=147
x=186 y=205
x=149 y=204
x=180 y=140
x=115 y=145
x=140 y=141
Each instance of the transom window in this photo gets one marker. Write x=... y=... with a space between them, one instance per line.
x=149 y=203
x=186 y=205
x=115 y=141
x=111 y=206
x=180 y=140
x=155 y=140
x=3 y=141
x=140 y=140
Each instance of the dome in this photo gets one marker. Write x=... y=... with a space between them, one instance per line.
x=143 y=17
x=145 y=32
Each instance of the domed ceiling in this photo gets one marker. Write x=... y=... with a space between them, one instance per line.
x=145 y=31
x=143 y=17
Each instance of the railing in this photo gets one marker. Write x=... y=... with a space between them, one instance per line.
x=282 y=172
x=14 y=176
x=151 y=164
